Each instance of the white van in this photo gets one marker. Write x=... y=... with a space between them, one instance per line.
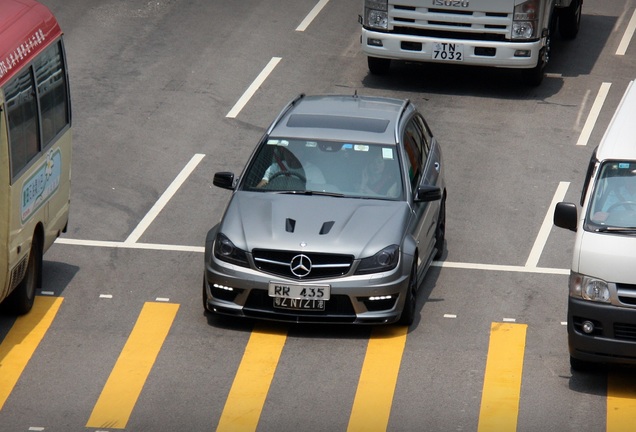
x=602 y=300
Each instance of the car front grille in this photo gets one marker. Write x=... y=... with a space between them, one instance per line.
x=323 y=265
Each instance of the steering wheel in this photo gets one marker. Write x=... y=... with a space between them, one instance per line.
x=627 y=204
x=288 y=174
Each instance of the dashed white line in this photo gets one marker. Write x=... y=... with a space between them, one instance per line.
x=310 y=17
x=106 y=296
x=509 y=320
x=544 y=232
x=450 y=316
x=163 y=200
x=627 y=36
x=593 y=115
x=253 y=87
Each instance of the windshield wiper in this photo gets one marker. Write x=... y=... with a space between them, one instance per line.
x=613 y=229
x=312 y=192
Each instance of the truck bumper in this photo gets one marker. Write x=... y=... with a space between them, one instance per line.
x=519 y=55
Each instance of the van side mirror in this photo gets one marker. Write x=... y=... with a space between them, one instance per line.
x=565 y=216
x=427 y=193
x=224 y=180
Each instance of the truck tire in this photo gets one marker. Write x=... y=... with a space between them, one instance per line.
x=570 y=20
x=379 y=66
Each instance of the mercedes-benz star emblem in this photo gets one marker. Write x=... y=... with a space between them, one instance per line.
x=300 y=265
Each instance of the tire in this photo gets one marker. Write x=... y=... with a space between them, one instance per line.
x=379 y=66
x=440 y=233
x=20 y=301
x=534 y=77
x=580 y=365
x=408 y=313
x=570 y=20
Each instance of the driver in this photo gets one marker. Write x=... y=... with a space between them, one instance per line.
x=286 y=161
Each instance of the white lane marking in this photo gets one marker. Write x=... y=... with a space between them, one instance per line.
x=502 y=268
x=627 y=36
x=544 y=231
x=162 y=299
x=163 y=199
x=450 y=316
x=309 y=18
x=509 y=320
x=123 y=245
x=47 y=293
x=593 y=115
x=36 y=428
x=253 y=87
x=106 y=296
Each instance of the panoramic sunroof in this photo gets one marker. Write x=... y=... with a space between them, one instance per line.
x=326 y=121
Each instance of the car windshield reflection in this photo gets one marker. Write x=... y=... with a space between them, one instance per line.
x=326 y=168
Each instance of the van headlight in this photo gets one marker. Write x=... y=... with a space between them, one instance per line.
x=376 y=14
x=525 y=19
x=589 y=288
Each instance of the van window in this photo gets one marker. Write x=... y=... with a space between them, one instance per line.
x=613 y=204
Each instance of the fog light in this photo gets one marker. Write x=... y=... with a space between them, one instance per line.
x=523 y=53
x=223 y=287
x=384 y=297
x=374 y=42
x=588 y=327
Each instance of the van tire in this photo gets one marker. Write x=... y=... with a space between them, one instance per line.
x=570 y=20
x=20 y=301
x=580 y=365
x=378 y=66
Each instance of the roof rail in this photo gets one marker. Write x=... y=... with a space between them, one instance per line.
x=406 y=103
x=284 y=111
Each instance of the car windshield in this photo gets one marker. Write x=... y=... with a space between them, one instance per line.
x=325 y=167
x=613 y=203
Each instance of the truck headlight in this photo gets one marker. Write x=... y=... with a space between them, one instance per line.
x=589 y=288
x=524 y=20
x=523 y=30
x=376 y=14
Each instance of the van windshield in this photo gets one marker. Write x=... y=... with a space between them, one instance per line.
x=613 y=202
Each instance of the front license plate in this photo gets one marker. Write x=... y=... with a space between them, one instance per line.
x=299 y=292
x=299 y=304
x=451 y=52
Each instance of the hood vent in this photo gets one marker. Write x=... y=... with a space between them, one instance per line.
x=290 y=225
x=326 y=227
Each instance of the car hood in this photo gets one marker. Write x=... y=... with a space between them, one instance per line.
x=360 y=227
x=610 y=257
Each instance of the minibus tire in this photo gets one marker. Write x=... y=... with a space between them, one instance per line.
x=20 y=301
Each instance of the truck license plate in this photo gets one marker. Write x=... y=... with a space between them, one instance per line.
x=451 y=52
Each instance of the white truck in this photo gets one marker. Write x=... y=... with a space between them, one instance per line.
x=499 y=33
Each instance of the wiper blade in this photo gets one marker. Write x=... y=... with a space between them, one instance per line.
x=312 y=192
x=613 y=229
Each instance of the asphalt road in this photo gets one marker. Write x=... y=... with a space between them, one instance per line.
x=161 y=101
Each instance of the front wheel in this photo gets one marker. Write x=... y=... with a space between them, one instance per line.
x=379 y=66
x=408 y=312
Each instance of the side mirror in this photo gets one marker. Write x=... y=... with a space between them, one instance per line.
x=427 y=193
x=565 y=216
x=224 y=180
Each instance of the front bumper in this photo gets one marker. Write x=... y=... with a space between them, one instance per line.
x=243 y=292
x=476 y=52
x=614 y=338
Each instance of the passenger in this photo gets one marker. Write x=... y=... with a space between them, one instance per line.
x=379 y=179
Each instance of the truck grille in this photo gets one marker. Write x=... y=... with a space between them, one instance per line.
x=322 y=265
x=454 y=24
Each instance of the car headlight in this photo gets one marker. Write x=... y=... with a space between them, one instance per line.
x=225 y=250
x=524 y=20
x=589 y=288
x=386 y=259
x=376 y=14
